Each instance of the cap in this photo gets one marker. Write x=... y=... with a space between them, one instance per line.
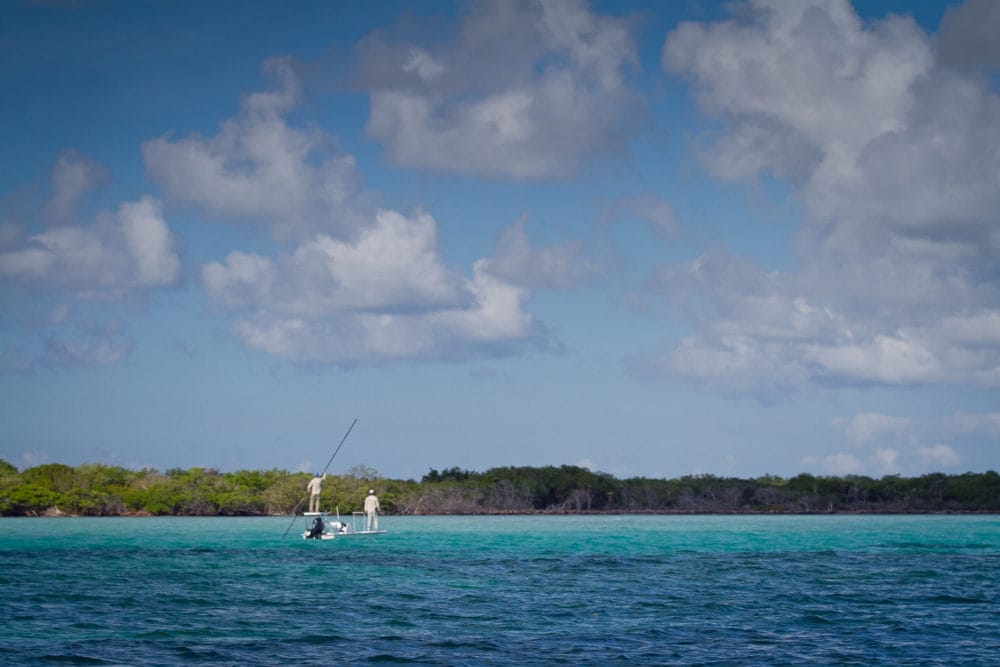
x=371 y=490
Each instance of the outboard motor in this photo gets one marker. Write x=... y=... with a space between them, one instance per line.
x=316 y=530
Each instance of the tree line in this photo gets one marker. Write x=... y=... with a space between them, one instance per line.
x=95 y=489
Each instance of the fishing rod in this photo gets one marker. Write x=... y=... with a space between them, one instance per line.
x=342 y=441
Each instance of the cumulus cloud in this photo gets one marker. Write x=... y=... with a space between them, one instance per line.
x=784 y=69
x=527 y=91
x=385 y=296
x=73 y=176
x=888 y=444
x=259 y=169
x=882 y=359
x=889 y=461
x=493 y=323
x=886 y=460
x=753 y=326
x=896 y=161
x=132 y=248
x=867 y=427
x=66 y=281
x=769 y=332
x=351 y=283
x=393 y=266
x=347 y=282
x=843 y=464
x=149 y=243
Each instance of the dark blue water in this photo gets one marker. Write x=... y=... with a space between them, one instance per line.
x=504 y=590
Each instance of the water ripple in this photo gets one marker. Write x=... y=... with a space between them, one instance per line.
x=483 y=592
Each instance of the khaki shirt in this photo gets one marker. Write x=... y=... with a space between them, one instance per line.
x=315 y=484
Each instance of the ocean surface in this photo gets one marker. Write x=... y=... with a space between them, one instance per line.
x=685 y=590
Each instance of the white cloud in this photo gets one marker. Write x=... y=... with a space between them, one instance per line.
x=867 y=427
x=982 y=328
x=730 y=296
x=130 y=249
x=73 y=175
x=843 y=464
x=349 y=283
x=730 y=364
x=752 y=326
x=811 y=70
x=886 y=444
x=149 y=243
x=886 y=460
x=492 y=324
x=424 y=65
x=385 y=296
x=67 y=282
x=892 y=360
x=243 y=281
x=392 y=266
x=940 y=455
x=260 y=169
x=896 y=160
x=527 y=91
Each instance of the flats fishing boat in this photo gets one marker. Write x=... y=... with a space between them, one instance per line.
x=322 y=526
x=319 y=524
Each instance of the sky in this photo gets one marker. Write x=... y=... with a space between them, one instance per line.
x=648 y=238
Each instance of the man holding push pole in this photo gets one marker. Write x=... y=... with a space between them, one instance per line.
x=314 y=487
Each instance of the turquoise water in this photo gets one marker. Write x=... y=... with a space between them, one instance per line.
x=921 y=590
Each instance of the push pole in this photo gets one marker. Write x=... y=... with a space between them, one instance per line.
x=342 y=441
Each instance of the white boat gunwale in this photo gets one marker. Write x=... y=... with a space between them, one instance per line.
x=343 y=529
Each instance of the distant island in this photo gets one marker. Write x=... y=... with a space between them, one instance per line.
x=96 y=489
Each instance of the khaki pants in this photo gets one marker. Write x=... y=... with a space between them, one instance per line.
x=314 y=502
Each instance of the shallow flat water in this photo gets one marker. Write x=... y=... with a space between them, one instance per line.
x=921 y=590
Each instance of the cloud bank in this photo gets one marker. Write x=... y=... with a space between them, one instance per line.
x=890 y=445
x=72 y=281
x=527 y=90
x=258 y=169
x=895 y=157
x=350 y=282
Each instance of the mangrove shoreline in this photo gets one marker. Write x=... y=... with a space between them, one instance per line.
x=96 y=489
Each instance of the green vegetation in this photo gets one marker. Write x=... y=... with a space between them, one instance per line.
x=99 y=490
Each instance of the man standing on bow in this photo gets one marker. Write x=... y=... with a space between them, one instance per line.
x=314 y=487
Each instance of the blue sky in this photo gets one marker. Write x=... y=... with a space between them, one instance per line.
x=648 y=238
